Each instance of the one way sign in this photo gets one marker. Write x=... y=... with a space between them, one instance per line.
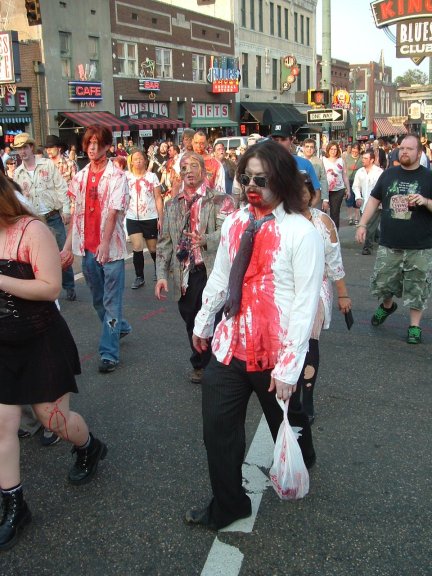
x=325 y=115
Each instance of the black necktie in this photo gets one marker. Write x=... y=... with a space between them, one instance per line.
x=240 y=265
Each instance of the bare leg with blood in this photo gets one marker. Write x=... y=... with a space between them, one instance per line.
x=57 y=417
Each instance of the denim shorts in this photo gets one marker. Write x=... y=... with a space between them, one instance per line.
x=405 y=274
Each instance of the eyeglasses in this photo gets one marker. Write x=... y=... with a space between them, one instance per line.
x=260 y=181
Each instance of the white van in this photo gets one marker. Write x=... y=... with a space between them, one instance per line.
x=231 y=141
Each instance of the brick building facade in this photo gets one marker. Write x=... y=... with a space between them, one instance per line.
x=162 y=56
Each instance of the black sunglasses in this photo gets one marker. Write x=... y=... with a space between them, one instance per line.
x=260 y=181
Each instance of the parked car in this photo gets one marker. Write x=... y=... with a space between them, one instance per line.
x=231 y=141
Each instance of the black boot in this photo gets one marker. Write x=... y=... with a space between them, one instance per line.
x=16 y=515
x=87 y=461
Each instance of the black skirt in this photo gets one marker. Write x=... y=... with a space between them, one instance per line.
x=39 y=369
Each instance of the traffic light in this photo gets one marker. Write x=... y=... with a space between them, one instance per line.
x=33 y=12
x=318 y=97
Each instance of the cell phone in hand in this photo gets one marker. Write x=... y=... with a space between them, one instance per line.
x=349 y=320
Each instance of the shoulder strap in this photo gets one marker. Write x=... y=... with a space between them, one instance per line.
x=22 y=234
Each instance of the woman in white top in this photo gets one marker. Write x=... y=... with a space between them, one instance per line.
x=333 y=272
x=337 y=179
x=145 y=212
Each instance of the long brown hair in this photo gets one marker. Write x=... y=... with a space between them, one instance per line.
x=284 y=178
x=11 y=209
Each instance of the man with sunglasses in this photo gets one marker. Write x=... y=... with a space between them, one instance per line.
x=282 y=134
x=188 y=243
x=267 y=278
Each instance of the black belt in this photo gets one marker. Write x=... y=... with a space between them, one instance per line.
x=51 y=214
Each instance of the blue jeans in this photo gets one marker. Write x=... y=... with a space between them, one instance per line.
x=106 y=283
x=55 y=223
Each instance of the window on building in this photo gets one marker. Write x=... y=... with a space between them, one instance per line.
x=252 y=14
x=274 y=74
x=260 y=16
x=66 y=54
x=245 y=70
x=307 y=31
x=377 y=109
x=163 y=63
x=271 y=18
x=308 y=77
x=258 y=72
x=279 y=21
x=93 y=50
x=198 y=68
x=127 y=59
x=243 y=13
x=302 y=29
x=286 y=23
x=299 y=77
x=295 y=27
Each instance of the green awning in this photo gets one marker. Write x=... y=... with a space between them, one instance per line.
x=212 y=122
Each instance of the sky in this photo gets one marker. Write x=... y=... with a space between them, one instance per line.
x=356 y=39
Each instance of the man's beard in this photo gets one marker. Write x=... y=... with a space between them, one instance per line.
x=406 y=161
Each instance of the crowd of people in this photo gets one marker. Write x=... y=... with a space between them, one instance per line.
x=223 y=226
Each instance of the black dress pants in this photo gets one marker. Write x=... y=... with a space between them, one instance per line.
x=335 y=201
x=225 y=395
x=189 y=305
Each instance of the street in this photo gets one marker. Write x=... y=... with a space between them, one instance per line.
x=370 y=502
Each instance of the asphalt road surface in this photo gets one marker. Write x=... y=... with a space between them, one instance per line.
x=369 y=508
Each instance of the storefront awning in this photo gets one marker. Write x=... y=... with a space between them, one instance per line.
x=85 y=119
x=383 y=127
x=279 y=113
x=269 y=114
x=212 y=122
x=155 y=124
x=15 y=119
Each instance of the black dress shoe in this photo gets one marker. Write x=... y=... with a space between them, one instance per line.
x=200 y=517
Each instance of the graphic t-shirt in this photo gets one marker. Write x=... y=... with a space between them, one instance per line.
x=400 y=228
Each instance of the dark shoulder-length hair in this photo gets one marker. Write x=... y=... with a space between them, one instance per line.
x=280 y=167
x=11 y=209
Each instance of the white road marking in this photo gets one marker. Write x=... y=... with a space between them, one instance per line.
x=223 y=560
x=259 y=456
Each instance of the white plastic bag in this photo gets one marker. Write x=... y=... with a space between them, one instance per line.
x=288 y=473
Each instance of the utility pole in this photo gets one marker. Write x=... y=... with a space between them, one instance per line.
x=326 y=51
x=354 y=73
